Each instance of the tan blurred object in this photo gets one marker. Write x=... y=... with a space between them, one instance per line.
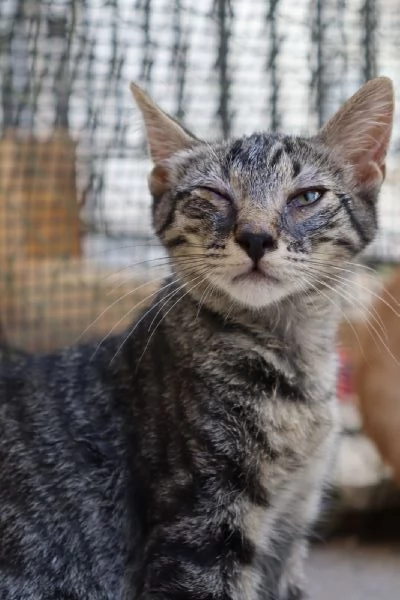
x=38 y=199
x=49 y=295
x=374 y=347
x=39 y=212
x=58 y=302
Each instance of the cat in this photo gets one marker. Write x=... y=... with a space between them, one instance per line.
x=373 y=344
x=185 y=458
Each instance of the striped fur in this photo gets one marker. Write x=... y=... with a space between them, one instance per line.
x=185 y=459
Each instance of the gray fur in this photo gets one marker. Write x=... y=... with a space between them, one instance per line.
x=184 y=460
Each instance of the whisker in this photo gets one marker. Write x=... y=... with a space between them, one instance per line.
x=168 y=297
x=379 y=297
x=166 y=314
x=347 y=282
x=132 y=329
x=354 y=268
x=202 y=299
x=337 y=305
x=352 y=271
x=358 y=265
x=186 y=260
x=167 y=258
x=130 y=292
x=127 y=314
x=229 y=311
x=347 y=296
x=189 y=262
x=369 y=324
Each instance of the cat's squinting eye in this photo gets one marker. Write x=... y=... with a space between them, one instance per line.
x=306 y=198
x=217 y=194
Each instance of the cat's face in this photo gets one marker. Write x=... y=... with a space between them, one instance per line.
x=263 y=216
x=268 y=216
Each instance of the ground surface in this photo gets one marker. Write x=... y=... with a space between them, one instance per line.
x=346 y=570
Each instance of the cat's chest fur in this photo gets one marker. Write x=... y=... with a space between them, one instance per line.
x=282 y=419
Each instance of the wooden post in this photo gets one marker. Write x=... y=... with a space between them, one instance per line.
x=39 y=212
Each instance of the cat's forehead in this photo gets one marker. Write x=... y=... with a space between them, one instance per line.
x=260 y=160
x=270 y=152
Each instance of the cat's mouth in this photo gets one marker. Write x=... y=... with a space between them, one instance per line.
x=255 y=275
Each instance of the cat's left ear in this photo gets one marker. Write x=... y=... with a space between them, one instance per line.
x=164 y=135
x=360 y=131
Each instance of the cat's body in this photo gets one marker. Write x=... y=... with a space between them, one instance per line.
x=99 y=470
x=185 y=459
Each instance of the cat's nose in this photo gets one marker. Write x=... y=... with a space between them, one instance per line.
x=255 y=244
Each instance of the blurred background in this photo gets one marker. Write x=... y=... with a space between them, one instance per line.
x=77 y=255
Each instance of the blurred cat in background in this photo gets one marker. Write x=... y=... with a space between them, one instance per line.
x=374 y=349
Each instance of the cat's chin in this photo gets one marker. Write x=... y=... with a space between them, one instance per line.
x=255 y=290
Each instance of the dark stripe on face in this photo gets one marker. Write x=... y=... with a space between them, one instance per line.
x=331 y=223
x=169 y=219
x=324 y=239
x=338 y=242
x=216 y=245
x=174 y=242
x=301 y=246
x=288 y=145
x=296 y=168
x=345 y=243
x=346 y=203
x=248 y=152
x=234 y=153
x=195 y=228
x=275 y=157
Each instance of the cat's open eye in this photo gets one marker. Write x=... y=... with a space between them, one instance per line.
x=306 y=198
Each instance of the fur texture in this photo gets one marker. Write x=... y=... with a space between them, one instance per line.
x=184 y=460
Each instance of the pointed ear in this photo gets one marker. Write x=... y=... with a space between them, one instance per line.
x=360 y=131
x=164 y=135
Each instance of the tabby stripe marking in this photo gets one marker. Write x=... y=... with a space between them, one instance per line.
x=217 y=543
x=232 y=473
x=345 y=202
x=174 y=242
x=275 y=157
x=169 y=219
x=264 y=374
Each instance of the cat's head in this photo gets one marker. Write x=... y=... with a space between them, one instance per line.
x=267 y=216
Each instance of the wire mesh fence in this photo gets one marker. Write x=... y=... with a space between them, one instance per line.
x=74 y=205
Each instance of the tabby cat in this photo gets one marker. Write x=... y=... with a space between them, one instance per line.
x=184 y=460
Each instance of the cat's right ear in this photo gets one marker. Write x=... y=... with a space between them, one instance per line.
x=164 y=135
x=360 y=131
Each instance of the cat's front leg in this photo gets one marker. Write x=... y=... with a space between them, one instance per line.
x=292 y=584
x=304 y=512
x=188 y=561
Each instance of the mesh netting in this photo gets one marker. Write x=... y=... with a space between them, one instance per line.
x=74 y=203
